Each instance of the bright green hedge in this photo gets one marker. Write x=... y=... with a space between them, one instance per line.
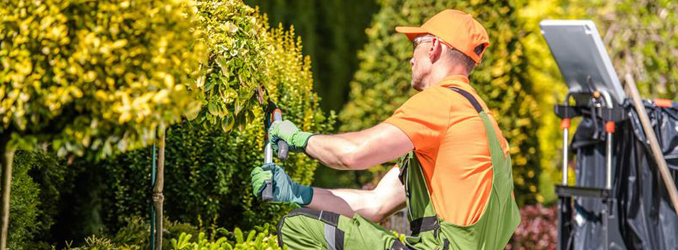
x=382 y=82
x=24 y=204
x=37 y=182
x=133 y=237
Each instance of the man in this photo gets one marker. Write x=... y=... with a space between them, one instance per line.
x=455 y=176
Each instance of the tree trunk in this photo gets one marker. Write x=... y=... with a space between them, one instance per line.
x=7 y=158
x=158 y=197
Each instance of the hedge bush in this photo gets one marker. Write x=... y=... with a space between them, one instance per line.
x=383 y=81
x=236 y=64
x=217 y=238
x=39 y=178
x=253 y=240
x=207 y=169
x=24 y=204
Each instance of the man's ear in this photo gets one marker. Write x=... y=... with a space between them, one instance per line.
x=435 y=51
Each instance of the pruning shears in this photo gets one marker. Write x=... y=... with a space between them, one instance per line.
x=271 y=114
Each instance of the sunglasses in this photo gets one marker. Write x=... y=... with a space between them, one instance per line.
x=420 y=39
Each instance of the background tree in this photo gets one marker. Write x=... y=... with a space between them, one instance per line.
x=642 y=40
x=98 y=76
x=332 y=32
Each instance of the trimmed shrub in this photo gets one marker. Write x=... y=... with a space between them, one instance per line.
x=207 y=170
x=217 y=239
x=253 y=240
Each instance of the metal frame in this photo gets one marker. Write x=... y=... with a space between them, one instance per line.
x=565 y=192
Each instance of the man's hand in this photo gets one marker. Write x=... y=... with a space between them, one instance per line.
x=288 y=132
x=284 y=188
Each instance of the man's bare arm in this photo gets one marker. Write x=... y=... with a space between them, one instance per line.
x=374 y=205
x=360 y=150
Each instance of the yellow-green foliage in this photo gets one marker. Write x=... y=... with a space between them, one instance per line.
x=95 y=74
x=642 y=40
x=382 y=82
x=219 y=239
x=254 y=240
x=549 y=88
x=244 y=56
x=236 y=62
x=207 y=170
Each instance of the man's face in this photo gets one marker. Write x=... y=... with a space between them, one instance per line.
x=421 y=62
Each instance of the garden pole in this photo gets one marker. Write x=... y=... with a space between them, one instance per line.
x=158 y=197
x=151 y=205
x=632 y=90
x=7 y=161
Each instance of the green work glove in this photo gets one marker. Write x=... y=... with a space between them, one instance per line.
x=284 y=188
x=288 y=132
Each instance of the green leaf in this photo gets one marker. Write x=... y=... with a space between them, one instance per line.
x=223 y=64
x=212 y=107
x=238 y=235
x=251 y=235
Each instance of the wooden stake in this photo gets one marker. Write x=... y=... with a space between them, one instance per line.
x=6 y=159
x=158 y=196
x=632 y=90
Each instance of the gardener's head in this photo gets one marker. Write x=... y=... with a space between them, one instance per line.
x=450 y=43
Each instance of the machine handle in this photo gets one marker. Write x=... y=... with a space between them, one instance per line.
x=283 y=148
x=267 y=193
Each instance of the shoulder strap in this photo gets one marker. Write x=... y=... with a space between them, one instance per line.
x=496 y=150
x=470 y=98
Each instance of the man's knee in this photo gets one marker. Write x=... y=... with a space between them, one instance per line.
x=307 y=227
x=285 y=228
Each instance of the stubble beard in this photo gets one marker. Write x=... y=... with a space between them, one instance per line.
x=417 y=81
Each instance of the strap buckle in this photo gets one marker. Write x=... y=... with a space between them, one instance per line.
x=425 y=224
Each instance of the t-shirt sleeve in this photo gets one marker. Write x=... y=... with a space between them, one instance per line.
x=423 y=118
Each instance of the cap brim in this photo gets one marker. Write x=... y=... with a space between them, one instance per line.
x=411 y=32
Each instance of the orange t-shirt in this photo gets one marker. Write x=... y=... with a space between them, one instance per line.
x=450 y=141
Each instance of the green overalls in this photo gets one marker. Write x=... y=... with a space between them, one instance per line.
x=312 y=229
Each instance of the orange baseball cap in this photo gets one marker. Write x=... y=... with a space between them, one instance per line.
x=456 y=29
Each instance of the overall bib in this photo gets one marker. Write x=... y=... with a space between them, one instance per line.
x=312 y=229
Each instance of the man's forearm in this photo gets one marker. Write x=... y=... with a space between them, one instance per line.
x=333 y=150
x=359 y=150
x=346 y=202
x=374 y=205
